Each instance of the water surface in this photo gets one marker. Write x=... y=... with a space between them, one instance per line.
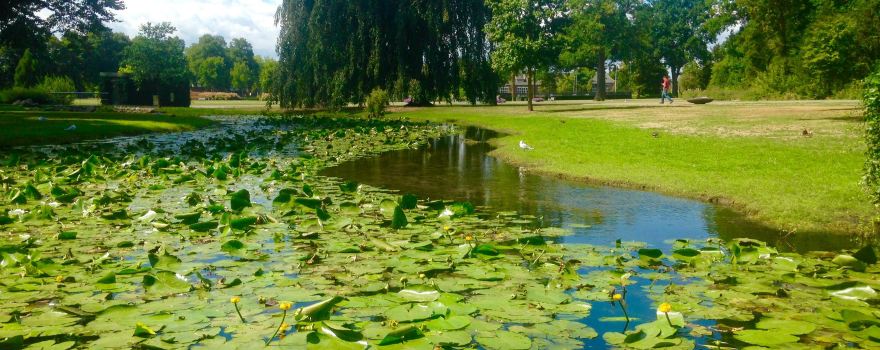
x=459 y=167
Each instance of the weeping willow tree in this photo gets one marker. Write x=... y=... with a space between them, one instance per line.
x=333 y=52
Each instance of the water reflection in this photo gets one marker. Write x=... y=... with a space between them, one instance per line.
x=459 y=167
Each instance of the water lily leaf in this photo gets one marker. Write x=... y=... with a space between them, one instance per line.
x=318 y=311
x=398 y=221
x=165 y=283
x=141 y=330
x=504 y=340
x=340 y=332
x=243 y=223
x=849 y=261
x=165 y=261
x=232 y=246
x=409 y=201
x=856 y=293
x=204 y=226
x=401 y=335
x=349 y=186
x=866 y=255
x=240 y=200
x=311 y=203
x=189 y=218
x=787 y=326
x=650 y=253
x=107 y=279
x=453 y=338
x=450 y=324
x=65 y=236
x=324 y=341
x=416 y=312
x=764 y=337
x=485 y=249
x=419 y=294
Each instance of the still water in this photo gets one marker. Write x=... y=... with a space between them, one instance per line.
x=460 y=167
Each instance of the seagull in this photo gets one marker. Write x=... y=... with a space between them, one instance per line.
x=523 y=145
x=71 y=128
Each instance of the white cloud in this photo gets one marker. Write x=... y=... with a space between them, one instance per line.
x=253 y=20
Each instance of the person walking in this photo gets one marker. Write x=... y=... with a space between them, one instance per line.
x=667 y=86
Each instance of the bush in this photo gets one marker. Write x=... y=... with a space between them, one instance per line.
x=35 y=95
x=871 y=100
x=376 y=103
x=57 y=87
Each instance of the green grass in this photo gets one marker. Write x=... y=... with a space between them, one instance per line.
x=750 y=156
x=20 y=128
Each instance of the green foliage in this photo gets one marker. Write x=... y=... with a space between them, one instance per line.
x=26 y=72
x=871 y=101
x=695 y=76
x=334 y=52
x=57 y=86
x=680 y=32
x=376 y=103
x=242 y=77
x=209 y=62
x=37 y=95
x=156 y=60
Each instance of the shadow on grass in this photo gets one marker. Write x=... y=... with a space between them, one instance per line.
x=608 y=107
x=22 y=128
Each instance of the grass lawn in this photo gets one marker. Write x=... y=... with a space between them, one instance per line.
x=752 y=156
x=19 y=127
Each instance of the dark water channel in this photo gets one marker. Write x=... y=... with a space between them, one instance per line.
x=459 y=167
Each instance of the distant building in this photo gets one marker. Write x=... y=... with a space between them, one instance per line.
x=610 y=84
x=522 y=87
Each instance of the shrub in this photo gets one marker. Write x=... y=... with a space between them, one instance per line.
x=36 y=95
x=376 y=103
x=55 y=86
x=871 y=100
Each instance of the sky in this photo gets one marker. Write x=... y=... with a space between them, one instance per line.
x=253 y=20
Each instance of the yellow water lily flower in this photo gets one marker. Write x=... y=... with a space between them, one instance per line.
x=617 y=297
x=468 y=238
x=664 y=308
x=285 y=306
x=235 y=300
x=59 y=279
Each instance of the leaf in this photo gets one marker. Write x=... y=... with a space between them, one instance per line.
x=399 y=220
x=485 y=249
x=319 y=311
x=787 y=326
x=165 y=283
x=240 y=200
x=401 y=335
x=165 y=261
x=243 y=223
x=866 y=255
x=504 y=340
x=449 y=324
x=649 y=254
x=141 y=330
x=764 y=337
x=232 y=246
x=409 y=201
x=65 y=236
x=419 y=294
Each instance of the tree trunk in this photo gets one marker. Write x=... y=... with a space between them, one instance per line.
x=600 y=77
x=531 y=77
x=513 y=87
x=676 y=71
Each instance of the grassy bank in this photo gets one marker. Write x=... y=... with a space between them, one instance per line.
x=19 y=127
x=751 y=156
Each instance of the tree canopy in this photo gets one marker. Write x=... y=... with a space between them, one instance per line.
x=333 y=52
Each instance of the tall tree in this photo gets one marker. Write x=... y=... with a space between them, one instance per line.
x=333 y=52
x=242 y=78
x=25 y=19
x=600 y=30
x=268 y=69
x=209 y=62
x=680 y=32
x=525 y=36
x=26 y=71
x=155 y=58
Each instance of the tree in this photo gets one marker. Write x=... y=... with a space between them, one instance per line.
x=26 y=74
x=155 y=58
x=600 y=30
x=333 y=52
x=524 y=34
x=82 y=57
x=681 y=32
x=22 y=21
x=242 y=78
x=210 y=63
x=268 y=69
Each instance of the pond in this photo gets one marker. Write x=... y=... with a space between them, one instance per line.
x=206 y=240
x=460 y=167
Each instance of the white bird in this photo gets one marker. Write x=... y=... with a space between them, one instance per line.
x=523 y=145
x=71 y=128
x=42 y=119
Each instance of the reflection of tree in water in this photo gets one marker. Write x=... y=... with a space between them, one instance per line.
x=459 y=168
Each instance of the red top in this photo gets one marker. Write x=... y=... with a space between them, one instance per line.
x=666 y=83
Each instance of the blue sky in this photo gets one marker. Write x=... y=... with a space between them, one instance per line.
x=253 y=20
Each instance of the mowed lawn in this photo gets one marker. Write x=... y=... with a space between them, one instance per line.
x=752 y=156
x=19 y=127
